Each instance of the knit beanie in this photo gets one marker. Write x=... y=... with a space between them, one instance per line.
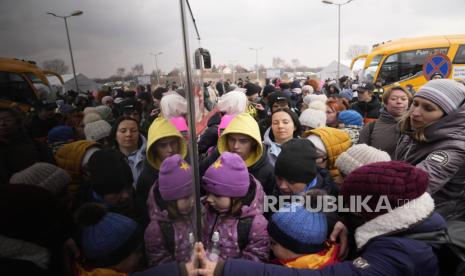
x=347 y=94
x=105 y=112
x=90 y=118
x=267 y=90
x=397 y=181
x=106 y=238
x=97 y=130
x=173 y=105
x=233 y=102
x=307 y=89
x=45 y=175
x=107 y=99
x=180 y=124
x=228 y=176
x=278 y=96
x=312 y=98
x=318 y=105
x=350 y=118
x=60 y=134
x=359 y=155
x=317 y=142
x=224 y=123
x=109 y=172
x=299 y=230
x=313 y=118
x=89 y=109
x=447 y=94
x=175 y=180
x=296 y=162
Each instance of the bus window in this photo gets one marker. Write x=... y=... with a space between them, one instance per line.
x=16 y=89
x=460 y=55
x=370 y=72
x=44 y=92
x=405 y=65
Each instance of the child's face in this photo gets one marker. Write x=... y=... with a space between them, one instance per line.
x=185 y=205
x=281 y=252
x=221 y=204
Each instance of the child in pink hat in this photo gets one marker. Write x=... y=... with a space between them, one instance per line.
x=234 y=221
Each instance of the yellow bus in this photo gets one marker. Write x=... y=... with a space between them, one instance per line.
x=401 y=61
x=23 y=83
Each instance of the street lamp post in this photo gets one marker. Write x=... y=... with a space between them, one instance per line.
x=256 y=58
x=232 y=62
x=329 y=2
x=156 y=65
x=75 y=13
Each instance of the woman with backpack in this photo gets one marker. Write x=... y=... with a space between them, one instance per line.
x=384 y=133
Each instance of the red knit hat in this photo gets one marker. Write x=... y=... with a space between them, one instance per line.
x=400 y=182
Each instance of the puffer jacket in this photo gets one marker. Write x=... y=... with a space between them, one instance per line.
x=258 y=246
x=155 y=244
x=368 y=110
x=443 y=158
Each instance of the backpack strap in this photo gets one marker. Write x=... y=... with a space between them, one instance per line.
x=243 y=229
x=168 y=235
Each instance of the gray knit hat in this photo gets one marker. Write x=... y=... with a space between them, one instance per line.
x=447 y=94
x=45 y=175
x=97 y=130
x=359 y=155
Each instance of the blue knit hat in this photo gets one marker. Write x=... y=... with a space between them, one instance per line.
x=350 y=117
x=106 y=238
x=305 y=237
x=60 y=134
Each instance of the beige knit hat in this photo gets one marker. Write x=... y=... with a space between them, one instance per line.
x=313 y=118
x=90 y=118
x=359 y=155
x=97 y=130
x=45 y=175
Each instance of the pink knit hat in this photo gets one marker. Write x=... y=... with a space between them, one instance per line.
x=181 y=125
x=225 y=120
x=228 y=176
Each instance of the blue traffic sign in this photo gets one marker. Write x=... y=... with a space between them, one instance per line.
x=437 y=63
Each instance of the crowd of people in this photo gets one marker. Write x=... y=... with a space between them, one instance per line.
x=104 y=185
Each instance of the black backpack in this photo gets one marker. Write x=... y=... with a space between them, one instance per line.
x=449 y=246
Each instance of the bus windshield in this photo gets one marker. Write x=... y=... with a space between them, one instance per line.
x=369 y=73
x=45 y=93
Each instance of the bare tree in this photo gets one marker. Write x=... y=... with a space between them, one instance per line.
x=355 y=50
x=138 y=69
x=56 y=65
x=278 y=62
x=120 y=72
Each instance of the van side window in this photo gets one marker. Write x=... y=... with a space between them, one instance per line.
x=405 y=65
x=460 y=55
x=16 y=89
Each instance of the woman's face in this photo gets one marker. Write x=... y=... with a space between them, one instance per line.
x=287 y=187
x=331 y=116
x=127 y=134
x=282 y=126
x=424 y=112
x=397 y=103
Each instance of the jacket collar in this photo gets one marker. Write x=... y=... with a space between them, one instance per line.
x=397 y=220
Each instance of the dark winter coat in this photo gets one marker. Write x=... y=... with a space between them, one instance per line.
x=368 y=110
x=382 y=134
x=443 y=158
x=209 y=137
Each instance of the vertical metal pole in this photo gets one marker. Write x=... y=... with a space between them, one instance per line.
x=193 y=152
x=339 y=41
x=256 y=62
x=71 y=53
x=156 y=69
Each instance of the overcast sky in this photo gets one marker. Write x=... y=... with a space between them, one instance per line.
x=122 y=33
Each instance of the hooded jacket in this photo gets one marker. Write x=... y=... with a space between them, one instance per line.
x=443 y=158
x=160 y=128
x=336 y=142
x=257 y=163
x=69 y=157
x=382 y=134
x=155 y=246
x=136 y=159
x=258 y=246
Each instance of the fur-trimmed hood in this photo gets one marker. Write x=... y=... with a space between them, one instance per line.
x=406 y=218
